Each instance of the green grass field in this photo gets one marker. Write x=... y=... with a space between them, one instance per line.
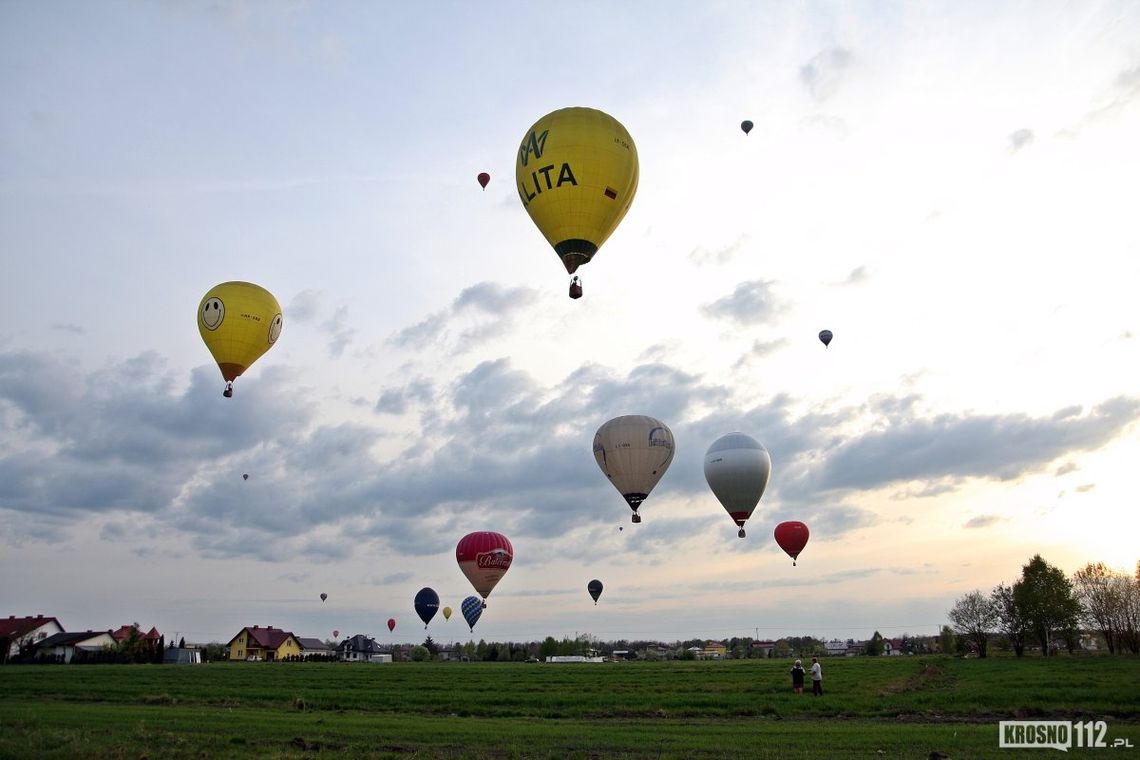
x=900 y=707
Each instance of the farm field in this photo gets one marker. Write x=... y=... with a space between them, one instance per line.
x=902 y=707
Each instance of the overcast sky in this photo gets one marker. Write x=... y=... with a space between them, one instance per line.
x=949 y=187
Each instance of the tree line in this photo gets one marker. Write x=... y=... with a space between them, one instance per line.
x=1046 y=608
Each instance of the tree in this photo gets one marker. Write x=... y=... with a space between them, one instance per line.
x=420 y=654
x=182 y=643
x=1010 y=620
x=875 y=645
x=947 y=640
x=1100 y=599
x=431 y=646
x=973 y=617
x=1045 y=599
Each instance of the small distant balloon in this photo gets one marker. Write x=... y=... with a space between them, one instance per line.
x=746 y=125
x=245 y=476
x=825 y=337
x=447 y=613
x=324 y=596
x=472 y=608
x=336 y=634
x=484 y=178
x=391 y=624
x=595 y=589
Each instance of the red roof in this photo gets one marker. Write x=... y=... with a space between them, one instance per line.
x=19 y=626
x=125 y=631
x=268 y=637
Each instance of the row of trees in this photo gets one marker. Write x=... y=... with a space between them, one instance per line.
x=1045 y=607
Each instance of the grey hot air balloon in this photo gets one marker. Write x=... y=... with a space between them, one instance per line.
x=737 y=468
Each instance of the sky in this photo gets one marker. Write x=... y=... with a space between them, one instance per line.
x=950 y=187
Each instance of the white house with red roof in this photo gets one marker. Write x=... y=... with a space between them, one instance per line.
x=26 y=631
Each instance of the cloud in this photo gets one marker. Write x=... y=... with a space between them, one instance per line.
x=982 y=521
x=751 y=303
x=701 y=255
x=304 y=307
x=1020 y=139
x=759 y=350
x=826 y=71
x=69 y=327
x=1085 y=488
x=493 y=308
x=1065 y=469
x=339 y=334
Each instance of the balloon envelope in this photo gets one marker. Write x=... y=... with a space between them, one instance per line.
x=483 y=178
x=324 y=596
x=576 y=173
x=472 y=608
x=427 y=602
x=245 y=476
x=737 y=468
x=447 y=613
x=595 y=589
x=634 y=451
x=391 y=624
x=746 y=125
x=825 y=337
x=336 y=634
x=792 y=537
x=484 y=557
x=238 y=321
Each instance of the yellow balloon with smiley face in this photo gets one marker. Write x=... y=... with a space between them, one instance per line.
x=239 y=321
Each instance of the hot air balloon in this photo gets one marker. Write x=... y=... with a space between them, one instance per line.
x=472 y=608
x=595 y=589
x=336 y=634
x=324 y=596
x=483 y=178
x=239 y=321
x=391 y=624
x=792 y=537
x=484 y=557
x=576 y=173
x=634 y=451
x=825 y=337
x=427 y=602
x=447 y=613
x=737 y=469
x=245 y=476
x=746 y=125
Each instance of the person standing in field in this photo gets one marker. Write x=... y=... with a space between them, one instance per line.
x=816 y=678
x=798 y=678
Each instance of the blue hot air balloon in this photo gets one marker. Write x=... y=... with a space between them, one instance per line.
x=472 y=608
x=427 y=602
x=595 y=589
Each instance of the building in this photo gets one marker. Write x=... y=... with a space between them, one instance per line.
x=151 y=637
x=267 y=643
x=836 y=648
x=182 y=656
x=763 y=648
x=314 y=648
x=26 y=632
x=65 y=646
x=361 y=648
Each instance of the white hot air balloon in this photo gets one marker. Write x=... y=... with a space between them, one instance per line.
x=634 y=451
x=737 y=468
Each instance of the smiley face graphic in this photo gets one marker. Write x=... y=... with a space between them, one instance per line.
x=213 y=312
x=274 y=329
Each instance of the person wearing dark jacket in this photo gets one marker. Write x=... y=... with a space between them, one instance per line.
x=798 y=678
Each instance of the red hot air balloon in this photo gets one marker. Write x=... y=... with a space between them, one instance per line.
x=391 y=624
x=484 y=557
x=484 y=178
x=792 y=537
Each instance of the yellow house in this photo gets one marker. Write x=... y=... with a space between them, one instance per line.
x=268 y=643
x=714 y=650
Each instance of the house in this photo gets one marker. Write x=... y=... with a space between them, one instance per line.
x=836 y=648
x=763 y=648
x=361 y=648
x=714 y=650
x=263 y=643
x=64 y=647
x=449 y=654
x=151 y=637
x=314 y=648
x=856 y=648
x=893 y=647
x=26 y=632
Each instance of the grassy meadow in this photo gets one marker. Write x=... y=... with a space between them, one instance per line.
x=897 y=707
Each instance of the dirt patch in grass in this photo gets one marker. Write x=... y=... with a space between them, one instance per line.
x=928 y=677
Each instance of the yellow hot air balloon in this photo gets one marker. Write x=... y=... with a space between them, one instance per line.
x=577 y=174
x=239 y=321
